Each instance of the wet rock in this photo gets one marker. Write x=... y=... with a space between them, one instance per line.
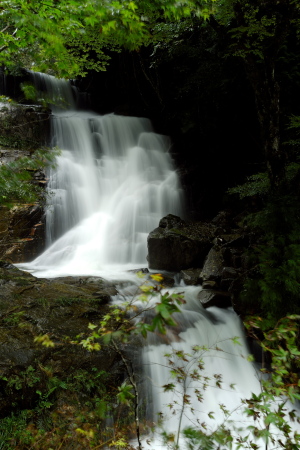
x=22 y=233
x=171 y=221
x=229 y=274
x=168 y=280
x=210 y=297
x=143 y=270
x=174 y=248
x=23 y=218
x=213 y=265
x=104 y=296
x=191 y=276
x=6 y=265
x=23 y=128
x=209 y=284
x=233 y=257
x=226 y=284
x=94 y=280
x=222 y=218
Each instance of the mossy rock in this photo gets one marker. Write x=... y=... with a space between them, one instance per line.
x=23 y=127
x=179 y=247
x=60 y=308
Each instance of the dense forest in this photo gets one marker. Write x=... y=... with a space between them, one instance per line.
x=221 y=78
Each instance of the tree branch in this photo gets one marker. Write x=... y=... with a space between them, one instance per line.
x=5 y=46
x=130 y=374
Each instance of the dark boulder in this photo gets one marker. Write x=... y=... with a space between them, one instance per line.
x=191 y=277
x=213 y=265
x=229 y=274
x=171 y=221
x=178 y=245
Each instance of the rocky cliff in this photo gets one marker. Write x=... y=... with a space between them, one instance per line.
x=23 y=129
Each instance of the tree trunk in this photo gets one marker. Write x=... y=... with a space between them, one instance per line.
x=267 y=97
x=263 y=27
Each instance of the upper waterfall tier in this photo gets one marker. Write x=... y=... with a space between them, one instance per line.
x=112 y=183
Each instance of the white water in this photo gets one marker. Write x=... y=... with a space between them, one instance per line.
x=113 y=182
x=223 y=355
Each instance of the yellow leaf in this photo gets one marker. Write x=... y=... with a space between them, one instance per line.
x=143 y=298
x=157 y=277
x=146 y=288
x=140 y=274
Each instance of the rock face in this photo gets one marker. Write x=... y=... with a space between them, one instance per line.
x=211 y=255
x=213 y=265
x=23 y=129
x=176 y=245
x=191 y=277
x=21 y=233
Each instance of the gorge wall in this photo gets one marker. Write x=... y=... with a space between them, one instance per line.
x=24 y=128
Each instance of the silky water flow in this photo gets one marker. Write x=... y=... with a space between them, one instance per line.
x=113 y=181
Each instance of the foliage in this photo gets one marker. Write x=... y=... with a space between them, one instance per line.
x=4 y=99
x=82 y=422
x=116 y=328
x=257 y=184
x=186 y=369
x=60 y=37
x=118 y=324
x=267 y=408
x=13 y=430
x=68 y=408
x=272 y=283
x=17 y=178
x=271 y=418
x=282 y=343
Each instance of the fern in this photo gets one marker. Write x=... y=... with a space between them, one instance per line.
x=257 y=184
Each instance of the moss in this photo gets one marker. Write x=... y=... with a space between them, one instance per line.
x=17 y=143
x=22 y=280
x=65 y=301
x=194 y=231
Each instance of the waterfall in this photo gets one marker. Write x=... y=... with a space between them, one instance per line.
x=113 y=181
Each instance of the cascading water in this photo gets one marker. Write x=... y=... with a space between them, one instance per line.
x=200 y=378
x=113 y=182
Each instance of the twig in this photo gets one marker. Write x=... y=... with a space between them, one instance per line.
x=136 y=398
x=25 y=289
x=103 y=443
x=6 y=45
x=5 y=28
